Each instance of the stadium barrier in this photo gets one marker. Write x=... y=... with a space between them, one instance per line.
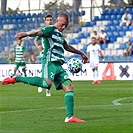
x=107 y=71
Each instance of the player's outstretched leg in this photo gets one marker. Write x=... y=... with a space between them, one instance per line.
x=34 y=81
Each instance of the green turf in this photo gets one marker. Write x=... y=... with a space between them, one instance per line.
x=24 y=110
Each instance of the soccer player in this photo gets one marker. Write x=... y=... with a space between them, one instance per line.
x=48 y=21
x=93 y=51
x=53 y=58
x=19 y=57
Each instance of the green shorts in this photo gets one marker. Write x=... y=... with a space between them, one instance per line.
x=53 y=70
x=18 y=64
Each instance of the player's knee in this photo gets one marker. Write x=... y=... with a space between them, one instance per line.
x=49 y=82
x=67 y=86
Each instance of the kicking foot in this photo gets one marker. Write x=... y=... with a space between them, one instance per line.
x=73 y=119
x=9 y=81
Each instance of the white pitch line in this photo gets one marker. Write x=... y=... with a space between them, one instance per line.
x=117 y=101
x=30 y=110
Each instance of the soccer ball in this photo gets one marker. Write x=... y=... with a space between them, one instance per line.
x=74 y=65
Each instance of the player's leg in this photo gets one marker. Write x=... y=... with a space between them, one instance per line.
x=16 y=66
x=94 y=76
x=96 y=72
x=69 y=101
x=44 y=68
x=34 y=81
x=127 y=23
x=62 y=81
x=93 y=71
x=97 y=75
x=48 y=94
x=23 y=65
x=43 y=75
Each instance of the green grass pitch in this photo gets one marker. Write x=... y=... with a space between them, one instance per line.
x=24 y=110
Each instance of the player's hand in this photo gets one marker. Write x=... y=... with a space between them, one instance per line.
x=21 y=35
x=20 y=59
x=88 y=60
x=103 y=60
x=84 y=58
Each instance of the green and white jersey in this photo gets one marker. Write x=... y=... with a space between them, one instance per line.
x=53 y=41
x=19 y=50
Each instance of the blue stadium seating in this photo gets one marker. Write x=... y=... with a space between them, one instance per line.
x=104 y=46
x=78 y=30
x=107 y=17
x=113 y=17
x=131 y=27
x=125 y=28
x=122 y=33
x=107 y=29
x=116 y=34
x=111 y=12
x=110 y=23
x=122 y=11
x=131 y=39
x=118 y=17
x=72 y=41
x=102 y=18
x=113 y=28
x=81 y=35
x=116 y=11
x=96 y=18
x=87 y=24
x=112 y=39
x=119 y=28
x=87 y=35
x=23 y=22
x=77 y=40
x=105 y=12
x=115 y=22
x=123 y=46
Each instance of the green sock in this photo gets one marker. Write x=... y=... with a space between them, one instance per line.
x=35 y=81
x=69 y=101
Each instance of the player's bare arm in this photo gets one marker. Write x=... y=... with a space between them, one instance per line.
x=39 y=47
x=14 y=56
x=88 y=55
x=76 y=51
x=102 y=56
x=32 y=33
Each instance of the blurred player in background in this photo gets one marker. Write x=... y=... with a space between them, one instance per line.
x=48 y=21
x=10 y=59
x=19 y=57
x=93 y=51
x=53 y=58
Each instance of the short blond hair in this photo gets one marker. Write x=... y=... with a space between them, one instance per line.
x=64 y=15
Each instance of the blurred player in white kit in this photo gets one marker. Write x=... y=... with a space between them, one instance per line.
x=93 y=51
